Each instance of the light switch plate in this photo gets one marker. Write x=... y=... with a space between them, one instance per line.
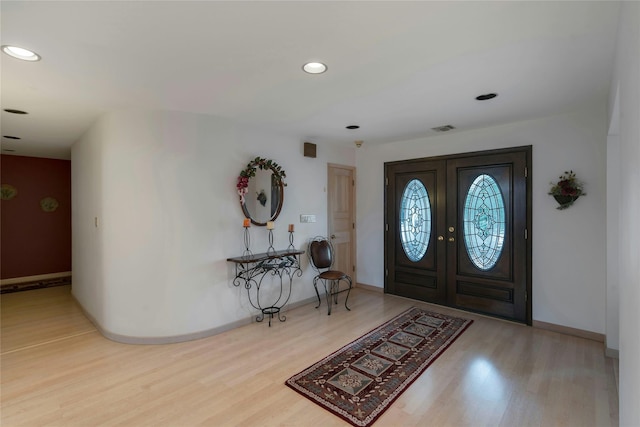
x=307 y=218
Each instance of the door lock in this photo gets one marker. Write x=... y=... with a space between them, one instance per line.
x=452 y=239
x=451 y=229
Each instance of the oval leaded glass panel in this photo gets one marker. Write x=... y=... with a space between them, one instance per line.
x=415 y=220
x=484 y=222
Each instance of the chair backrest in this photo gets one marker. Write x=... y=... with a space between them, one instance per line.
x=320 y=253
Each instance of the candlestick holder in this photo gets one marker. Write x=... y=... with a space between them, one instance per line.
x=291 y=247
x=271 y=250
x=247 y=243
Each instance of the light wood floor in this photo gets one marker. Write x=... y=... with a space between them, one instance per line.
x=57 y=370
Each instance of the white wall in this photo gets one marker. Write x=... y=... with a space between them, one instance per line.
x=612 y=336
x=627 y=77
x=163 y=187
x=86 y=205
x=568 y=246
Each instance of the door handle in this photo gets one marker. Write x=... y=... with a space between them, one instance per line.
x=452 y=239
x=441 y=238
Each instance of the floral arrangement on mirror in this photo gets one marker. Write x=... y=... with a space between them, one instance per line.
x=567 y=190
x=242 y=184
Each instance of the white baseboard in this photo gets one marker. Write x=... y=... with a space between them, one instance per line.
x=37 y=278
x=370 y=287
x=536 y=324
x=569 y=331
x=126 y=339
x=612 y=352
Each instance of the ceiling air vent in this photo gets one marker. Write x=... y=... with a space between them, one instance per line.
x=445 y=128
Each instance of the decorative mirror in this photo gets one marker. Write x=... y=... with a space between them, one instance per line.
x=261 y=190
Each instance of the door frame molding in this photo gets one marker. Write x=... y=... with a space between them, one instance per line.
x=527 y=149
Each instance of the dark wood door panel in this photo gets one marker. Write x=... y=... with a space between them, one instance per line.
x=489 y=292
x=451 y=272
x=486 y=297
x=415 y=276
x=486 y=306
x=423 y=278
x=498 y=288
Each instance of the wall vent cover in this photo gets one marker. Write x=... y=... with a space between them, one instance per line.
x=445 y=128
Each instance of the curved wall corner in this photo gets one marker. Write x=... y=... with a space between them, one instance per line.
x=162 y=187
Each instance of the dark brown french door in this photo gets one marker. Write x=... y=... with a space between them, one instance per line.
x=457 y=231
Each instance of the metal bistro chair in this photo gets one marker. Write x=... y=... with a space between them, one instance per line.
x=321 y=257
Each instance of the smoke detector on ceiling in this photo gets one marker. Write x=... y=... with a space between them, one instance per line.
x=445 y=128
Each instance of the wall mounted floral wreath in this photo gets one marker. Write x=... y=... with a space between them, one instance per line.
x=250 y=171
x=567 y=190
x=8 y=191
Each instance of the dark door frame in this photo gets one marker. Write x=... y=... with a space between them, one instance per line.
x=527 y=150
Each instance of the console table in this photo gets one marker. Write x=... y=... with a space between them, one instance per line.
x=251 y=270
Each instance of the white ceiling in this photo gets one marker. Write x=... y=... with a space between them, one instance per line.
x=397 y=69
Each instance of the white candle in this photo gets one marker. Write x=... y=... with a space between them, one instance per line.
x=270 y=225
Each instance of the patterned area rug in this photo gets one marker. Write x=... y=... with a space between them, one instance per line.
x=362 y=379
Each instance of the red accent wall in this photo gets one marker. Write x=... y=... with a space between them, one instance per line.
x=34 y=241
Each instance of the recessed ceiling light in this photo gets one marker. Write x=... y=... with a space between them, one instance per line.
x=11 y=137
x=20 y=53
x=12 y=111
x=486 y=96
x=353 y=127
x=314 y=67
